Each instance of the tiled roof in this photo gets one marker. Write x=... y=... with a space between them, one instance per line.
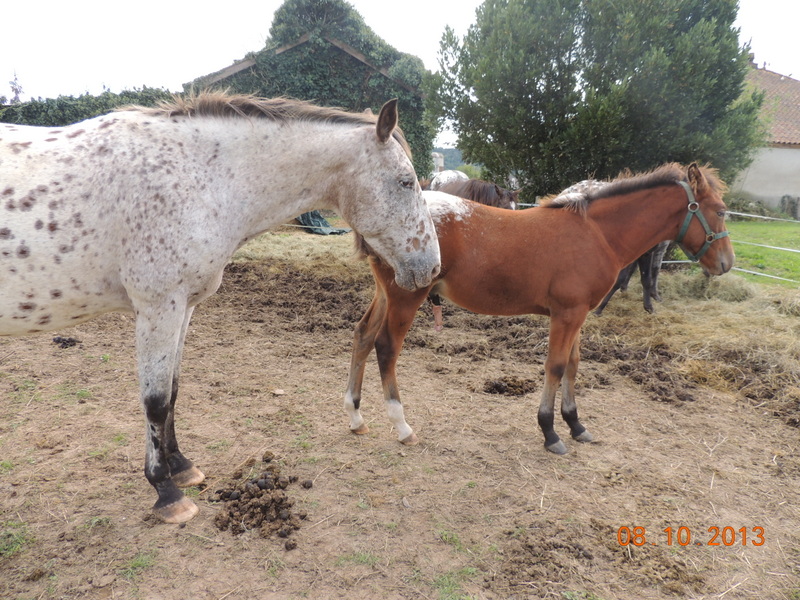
x=781 y=107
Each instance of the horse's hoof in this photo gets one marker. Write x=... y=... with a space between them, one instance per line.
x=558 y=448
x=189 y=477
x=178 y=512
x=410 y=440
x=361 y=429
x=584 y=437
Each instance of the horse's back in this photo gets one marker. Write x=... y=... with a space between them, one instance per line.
x=501 y=262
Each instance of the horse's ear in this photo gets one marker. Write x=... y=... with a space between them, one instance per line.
x=387 y=121
x=696 y=178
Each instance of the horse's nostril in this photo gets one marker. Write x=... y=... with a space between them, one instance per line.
x=436 y=270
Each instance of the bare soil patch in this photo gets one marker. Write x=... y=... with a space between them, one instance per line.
x=695 y=429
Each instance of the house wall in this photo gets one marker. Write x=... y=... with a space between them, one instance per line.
x=774 y=173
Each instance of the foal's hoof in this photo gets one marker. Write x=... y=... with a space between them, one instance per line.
x=189 y=477
x=178 y=512
x=361 y=429
x=584 y=437
x=410 y=440
x=558 y=448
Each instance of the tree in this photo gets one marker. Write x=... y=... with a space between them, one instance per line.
x=553 y=91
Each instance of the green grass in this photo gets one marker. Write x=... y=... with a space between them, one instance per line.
x=13 y=537
x=358 y=558
x=778 y=263
x=139 y=563
x=449 y=584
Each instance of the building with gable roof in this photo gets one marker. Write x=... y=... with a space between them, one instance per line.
x=775 y=171
x=323 y=52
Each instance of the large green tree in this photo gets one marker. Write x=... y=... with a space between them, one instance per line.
x=552 y=91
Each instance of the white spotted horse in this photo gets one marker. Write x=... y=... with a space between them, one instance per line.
x=559 y=259
x=140 y=210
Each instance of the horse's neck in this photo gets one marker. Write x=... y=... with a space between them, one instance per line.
x=634 y=223
x=288 y=170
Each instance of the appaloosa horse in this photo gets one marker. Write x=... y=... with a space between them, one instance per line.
x=140 y=210
x=559 y=259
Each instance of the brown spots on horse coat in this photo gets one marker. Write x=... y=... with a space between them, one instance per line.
x=27 y=306
x=17 y=147
x=38 y=225
x=75 y=134
x=44 y=320
x=56 y=294
x=27 y=203
x=5 y=234
x=8 y=191
x=23 y=251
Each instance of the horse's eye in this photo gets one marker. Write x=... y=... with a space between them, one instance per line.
x=721 y=214
x=407 y=183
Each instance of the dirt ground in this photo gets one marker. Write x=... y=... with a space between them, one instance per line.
x=477 y=510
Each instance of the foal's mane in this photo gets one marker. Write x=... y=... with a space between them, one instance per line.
x=215 y=103
x=627 y=183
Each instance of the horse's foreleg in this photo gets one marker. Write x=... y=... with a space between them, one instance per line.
x=564 y=330
x=184 y=473
x=363 y=342
x=569 y=408
x=400 y=312
x=158 y=333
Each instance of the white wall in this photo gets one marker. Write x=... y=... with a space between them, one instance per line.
x=774 y=173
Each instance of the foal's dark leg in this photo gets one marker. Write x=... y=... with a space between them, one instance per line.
x=569 y=408
x=564 y=329
x=363 y=343
x=400 y=311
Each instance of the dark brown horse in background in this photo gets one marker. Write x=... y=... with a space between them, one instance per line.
x=559 y=259
x=649 y=265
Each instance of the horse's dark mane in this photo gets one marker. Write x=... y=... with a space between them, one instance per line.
x=478 y=190
x=223 y=104
x=627 y=183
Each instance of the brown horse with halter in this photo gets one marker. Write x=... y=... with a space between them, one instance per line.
x=559 y=259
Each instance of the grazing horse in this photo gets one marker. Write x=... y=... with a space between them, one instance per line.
x=140 y=210
x=559 y=259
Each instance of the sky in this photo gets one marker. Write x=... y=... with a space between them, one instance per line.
x=55 y=47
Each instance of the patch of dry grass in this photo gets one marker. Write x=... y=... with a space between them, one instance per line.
x=725 y=332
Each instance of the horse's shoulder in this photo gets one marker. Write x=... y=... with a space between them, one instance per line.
x=442 y=205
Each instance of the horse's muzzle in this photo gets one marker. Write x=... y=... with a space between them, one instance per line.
x=417 y=274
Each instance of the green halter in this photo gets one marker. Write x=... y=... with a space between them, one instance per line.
x=694 y=211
